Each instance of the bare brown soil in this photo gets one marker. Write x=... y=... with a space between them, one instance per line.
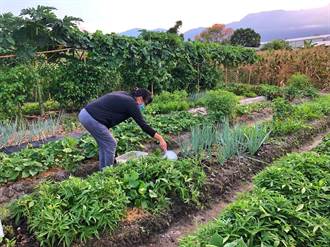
x=135 y=214
x=190 y=223
x=257 y=116
x=13 y=190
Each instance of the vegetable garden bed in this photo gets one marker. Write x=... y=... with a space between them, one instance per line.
x=13 y=190
x=220 y=178
x=289 y=206
x=174 y=196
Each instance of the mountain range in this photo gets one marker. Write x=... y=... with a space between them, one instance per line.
x=276 y=24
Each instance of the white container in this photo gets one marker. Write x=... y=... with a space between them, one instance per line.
x=1 y=231
x=130 y=156
x=170 y=155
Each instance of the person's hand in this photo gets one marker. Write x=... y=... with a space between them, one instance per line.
x=163 y=145
x=162 y=142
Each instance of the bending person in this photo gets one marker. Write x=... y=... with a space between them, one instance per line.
x=110 y=110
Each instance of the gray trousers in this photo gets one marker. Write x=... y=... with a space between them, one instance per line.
x=106 y=143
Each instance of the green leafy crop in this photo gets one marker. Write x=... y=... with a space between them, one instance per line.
x=289 y=206
x=79 y=209
x=73 y=209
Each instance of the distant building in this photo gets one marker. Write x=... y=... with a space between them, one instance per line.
x=315 y=40
x=325 y=43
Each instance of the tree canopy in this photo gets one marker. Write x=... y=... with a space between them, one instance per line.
x=245 y=37
x=215 y=33
x=37 y=29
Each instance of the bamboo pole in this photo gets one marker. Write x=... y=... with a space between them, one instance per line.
x=38 y=53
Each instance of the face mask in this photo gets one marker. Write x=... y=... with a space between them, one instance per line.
x=141 y=106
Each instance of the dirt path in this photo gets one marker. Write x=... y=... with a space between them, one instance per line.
x=189 y=224
x=310 y=145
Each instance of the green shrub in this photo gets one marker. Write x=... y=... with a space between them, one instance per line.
x=269 y=91
x=15 y=84
x=174 y=96
x=52 y=105
x=221 y=104
x=284 y=122
x=79 y=82
x=288 y=119
x=299 y=85
x=249 y=90
x=167 y=102
x=276 y=45
x=172 y=106
x=32 y=108
x=242 y=89
x=320 y=103
x=324 y=103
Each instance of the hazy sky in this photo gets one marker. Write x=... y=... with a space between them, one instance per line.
x=121 y=15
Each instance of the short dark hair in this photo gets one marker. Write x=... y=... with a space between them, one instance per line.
x=144 y=93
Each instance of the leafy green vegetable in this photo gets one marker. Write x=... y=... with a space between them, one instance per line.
x=77 y=209
x=289 y=206
x=73 y=209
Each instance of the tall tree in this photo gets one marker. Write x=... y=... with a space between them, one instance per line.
x=8 y=24
x=38 y=29
x=42 y=29
x=245 y=37
x=215 y=33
